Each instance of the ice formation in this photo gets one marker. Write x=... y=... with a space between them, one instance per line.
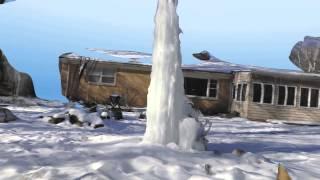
x=166 y=98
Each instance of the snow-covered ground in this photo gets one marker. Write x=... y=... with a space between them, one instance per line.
x=31 y=148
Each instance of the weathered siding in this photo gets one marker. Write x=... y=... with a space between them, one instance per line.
x=258 y=111
x=214 y=106
x=132 y=84
x=242 y=106
x=63 y=76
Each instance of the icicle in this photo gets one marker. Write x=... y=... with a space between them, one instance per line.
x=166 y=120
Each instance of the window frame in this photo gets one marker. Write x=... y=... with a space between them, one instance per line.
x=234 y=91
x=241 y=90
x=101 y=75
x=273 y=93
x=295 y=95
x=207 y=90
x=309 y=97
x=210 y=88
x=310 y=91
x=286 y=95
x=262 y=93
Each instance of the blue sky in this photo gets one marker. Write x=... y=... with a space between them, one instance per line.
x=35 y=32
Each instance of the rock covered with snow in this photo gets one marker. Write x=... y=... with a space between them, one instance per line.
x=79 y=116
x=306 y=54
x=13 y=82
x=94 y=120
x=6 y=116
x=79 y=113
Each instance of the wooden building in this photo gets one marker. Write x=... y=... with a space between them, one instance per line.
x=214 y=87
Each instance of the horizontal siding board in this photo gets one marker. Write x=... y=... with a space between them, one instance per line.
x=260 y=111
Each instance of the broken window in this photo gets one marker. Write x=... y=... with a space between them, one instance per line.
x=314 y=101
x=102 y=76
x=281 y=95
x=304 y=96
x=257 y=92
x=268 y=93
x=291 y=96
x=213 y=88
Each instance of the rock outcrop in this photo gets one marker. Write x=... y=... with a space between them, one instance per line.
x=12 y=82
x=306 y=54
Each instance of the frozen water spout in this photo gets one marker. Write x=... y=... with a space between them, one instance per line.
x=166 y=92
x=167 y=120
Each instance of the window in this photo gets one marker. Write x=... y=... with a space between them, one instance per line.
x=304 y=97
x=314 y=101
x=309 y=97
x=257 y=92
x=262 y=93
x=102 y=76
x=234 y=92
x=201 y=87
x=241 y=92
x=281 y=95
x=238 y=92
x=291 y=97
x=196 y=87
x=213 y=88
x=286 y=95
x=268 y=93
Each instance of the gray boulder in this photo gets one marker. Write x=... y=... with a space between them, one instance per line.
x=13 y=82
x=6 y=116
x=306 y=54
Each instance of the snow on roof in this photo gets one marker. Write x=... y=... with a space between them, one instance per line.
x=122 y=53
x=70 y=55
x=213 y=65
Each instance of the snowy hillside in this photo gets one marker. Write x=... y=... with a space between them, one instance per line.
x=31 y=148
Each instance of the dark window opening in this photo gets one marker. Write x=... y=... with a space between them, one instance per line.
x=291 y=96
x=304 y=97
x=268 y=94
x=234 y=92
x=257 y=92
x=239 y=92
x=314 y=101
x=213 y=92
x=196 y=87
x=281 y=95
x=244 y=92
